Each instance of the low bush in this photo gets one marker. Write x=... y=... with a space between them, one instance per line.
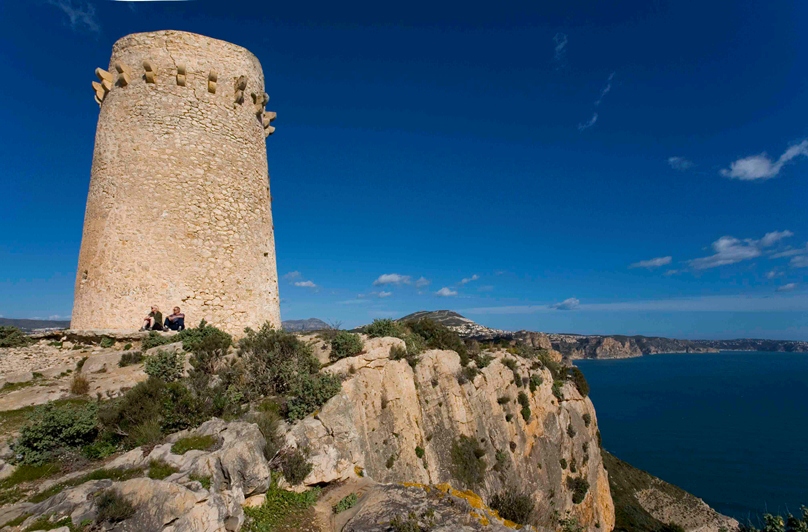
x=514 y=506
x=13 y=337
x=167 y=366
x=154 y=339
x=279 y=506
x=468 y=465
x=107 y=342
x=130 y=359
x=482 y=360
x=295 y=467
x=535 y=382
x=419 y=452
x=268 y=419
x=587 y=419
x=54 y=428
x=346 y=503
x=118 y=475
x=345 y=344
x=159 y=469
x=577 y=377
x=79 y=385
x=524 y=402
x=193 y=443
x=579 y=487
x=438 y=336
x=385 y=327
x=113 y=507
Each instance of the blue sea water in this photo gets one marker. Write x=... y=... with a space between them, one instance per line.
x=731 y=427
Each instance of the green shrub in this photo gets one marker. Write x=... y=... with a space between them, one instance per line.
x=419 y=452
x=44 y=522
x=587 y=419
x=107 y=342
x=127 y=347
x=504 y=400
x=383 y=328
x=113 y=507
x=13 y=337
x=514 y=506
x=209 y=346
x=467 y=374
x=268 y=419
x=28 y=473
x=167 y=366
x=118 y=475
x=193 y=443
x=438 y=336
x=159 y=469
x=278 y=506
x=570 y=431
x=279 y=364
x=467 y=461
x=130 y=359
x=154 y=339
x=346 y=503
x=525 y=403
x=579 y=486
x=535 y=382
x=411 y=524
x=202 y=479
x=295 y=467
x=345 y=344
x=53 y=428
x=577 y=377
x=482 y=360
x=557 y=392
x=80 y=363
x=563 y=463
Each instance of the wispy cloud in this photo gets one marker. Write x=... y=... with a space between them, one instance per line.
x=606 y=89
x=384 y=294
x=761 y=167
x=772 y=274
x=652 y=263
x=730 y=250
x=392 y=278
x=787 y=287
x=680 y=163
x=306 y=284
x=446 y=292
x=486 y=288
x=568 y=304
x=80 y=15
x=421 y=282
x=560 y=55
x=291 y=276
x=591 y=122
x=799 y=262
x=467 y=280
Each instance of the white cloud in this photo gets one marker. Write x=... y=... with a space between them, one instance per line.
x=568 y=304
x=671 y=272
x=761 y=167
x=385 y=294
x=729 y=250
x=306 y=284
x=787 y=287
x=392 y=278
x=772 y=274
x=606 y=89
x=467 y=280
x=799 y=262
x=446 y=292
x=422 y=282
x=590 y=123
x=81 y=15
x=790 y=252
x=291 y=276
x=652 y=263
x=560 y=40
x=680 y=163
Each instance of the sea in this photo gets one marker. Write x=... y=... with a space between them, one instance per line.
x=729 y=427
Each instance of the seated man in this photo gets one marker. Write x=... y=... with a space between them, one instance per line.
x=154 y=321
x=176 y=321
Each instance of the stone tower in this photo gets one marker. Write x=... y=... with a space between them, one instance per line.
x=178 y=212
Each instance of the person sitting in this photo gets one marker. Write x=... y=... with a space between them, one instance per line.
x=154 y=321
x=176 y=321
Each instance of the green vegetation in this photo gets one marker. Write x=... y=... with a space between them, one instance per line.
x=563 y=463
x=44 y=523
x=346 y=503
x=159 y=469
x=525 y=404
x=437 y=336
x=202 y=479
x=413 y=343
x=279 y=364
x=503 y=400
x=53 y=428
x=79 y=385
x=201 y=338
x=130 y=359
x=112 y=507
x=482 y=360
x=14 y=386
x=535 y=382
x=194 y=442
x=107 y=342
x=16 y=521
x=419 y=451
x=468 y=465
x=587 y=419
x=385 y=328
x=167 y=366
x=279 y=507
x=514 y=506
x=29 y=473
x=345 y=344
x=13 y=337
x=577 y=377
x=80 y=363
x=99 y=474
x=579 y=487
x=127 y=347
x=295 y=467
x=775 y=523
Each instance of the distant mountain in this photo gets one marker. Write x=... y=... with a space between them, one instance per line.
x=33 y=325
x=460 y=324
x=311 y=324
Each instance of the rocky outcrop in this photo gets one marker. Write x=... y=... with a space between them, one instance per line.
x=397 y=424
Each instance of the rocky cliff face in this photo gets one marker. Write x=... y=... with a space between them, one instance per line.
x=399 y=424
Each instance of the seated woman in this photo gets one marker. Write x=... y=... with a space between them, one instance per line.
x=176 y=321
x=154 y=321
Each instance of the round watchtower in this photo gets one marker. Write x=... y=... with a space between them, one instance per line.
x=178 y=211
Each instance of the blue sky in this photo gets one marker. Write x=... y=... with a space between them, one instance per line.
x=638 y=167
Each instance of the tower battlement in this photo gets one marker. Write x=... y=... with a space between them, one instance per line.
x=178 y=210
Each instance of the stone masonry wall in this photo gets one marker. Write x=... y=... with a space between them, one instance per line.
x=178 y=211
